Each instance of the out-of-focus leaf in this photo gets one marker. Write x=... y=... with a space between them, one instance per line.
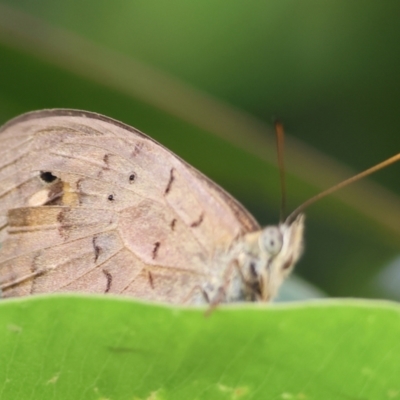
x=68 y=347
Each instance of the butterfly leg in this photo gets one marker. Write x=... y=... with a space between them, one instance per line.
x=216 y=301
x=213 y=302
x=203 y=293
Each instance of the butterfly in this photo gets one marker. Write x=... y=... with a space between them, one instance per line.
x=89 y=204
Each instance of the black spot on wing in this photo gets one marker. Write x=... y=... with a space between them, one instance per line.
x=198 y=221
x=132 y=177
x=109 y=280
x=96 y=248
x=173 y=223
x=171 y=179
x=151 y=280
x=106 y=160
x=105 y=167
x=155 y=249
x=47 y=176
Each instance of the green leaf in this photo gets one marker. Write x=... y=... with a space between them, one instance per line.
x=75 y=347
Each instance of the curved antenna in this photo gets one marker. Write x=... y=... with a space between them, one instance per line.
x=340 y=185
x=280 y=142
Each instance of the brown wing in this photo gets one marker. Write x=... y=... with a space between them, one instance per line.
x=90 y=204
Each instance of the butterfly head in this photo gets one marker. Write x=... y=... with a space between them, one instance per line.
x=269 y=256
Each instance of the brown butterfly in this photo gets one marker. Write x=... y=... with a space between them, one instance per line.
x=89 y=204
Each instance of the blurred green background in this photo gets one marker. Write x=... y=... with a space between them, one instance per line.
x=207 y=78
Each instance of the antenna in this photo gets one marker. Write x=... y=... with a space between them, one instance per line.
x=280 y=142
x=340 y=185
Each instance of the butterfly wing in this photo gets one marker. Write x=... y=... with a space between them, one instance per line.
x=90 y=204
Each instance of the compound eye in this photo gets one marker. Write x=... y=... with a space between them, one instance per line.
x=271 y=240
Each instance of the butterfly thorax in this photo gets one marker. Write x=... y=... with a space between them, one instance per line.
x=258 y=262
